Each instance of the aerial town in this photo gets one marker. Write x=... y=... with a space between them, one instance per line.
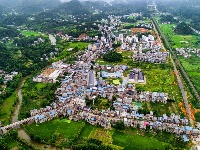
x=87 y=81
x=117 y=75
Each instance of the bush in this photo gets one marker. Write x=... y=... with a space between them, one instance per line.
x=197 y=116
x=183 y=29
x=112 y=56
x=119 y=125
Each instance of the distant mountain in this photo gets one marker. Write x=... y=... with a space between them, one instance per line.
x=30 y=6
x=1 y=9
x=96 y=5
x=73 y=7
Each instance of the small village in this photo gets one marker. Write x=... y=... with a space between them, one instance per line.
x=87 y=81
x=5 y=77
x=187 y=52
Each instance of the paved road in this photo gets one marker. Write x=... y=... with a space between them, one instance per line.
x=177 y=73
x=177 y=61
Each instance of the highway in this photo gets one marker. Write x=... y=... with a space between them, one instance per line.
x=181 y=86
x=177 y=61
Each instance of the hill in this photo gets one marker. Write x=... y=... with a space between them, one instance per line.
x=30 y=6
x=74 y=7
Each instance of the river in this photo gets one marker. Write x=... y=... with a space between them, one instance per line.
x=21 y=132
x=52 y=39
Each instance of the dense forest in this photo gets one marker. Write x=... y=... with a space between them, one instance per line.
x=168 y=18
x=186 y=10
x=26 y=57
x=183 y=29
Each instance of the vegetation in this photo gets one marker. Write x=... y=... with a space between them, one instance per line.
x=167 y=18
x=99 y=103
x=197 y=116
x=29 y=33
x=112 y=56
x=92 y=144
x=183 y=29
x=119 y=125
x=8 y=99
x=189 y=65
x=10 y=87
x=193 y=69
x=7 y=109
x=8 y=32
x=131 y=140
x=57 y=132
x=10 y=140
x=35 y=96
x=81 y=135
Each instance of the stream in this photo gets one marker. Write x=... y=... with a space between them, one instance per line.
x=21 y=132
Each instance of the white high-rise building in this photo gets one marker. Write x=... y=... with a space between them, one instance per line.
x=121 y=37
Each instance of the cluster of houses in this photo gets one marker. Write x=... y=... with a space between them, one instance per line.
x=145 y=25
x=82 y=82
x=145 y=49
x=187 y=52
x=50 y=75
x=76 y=109
x=86 y=81
x=7 y=77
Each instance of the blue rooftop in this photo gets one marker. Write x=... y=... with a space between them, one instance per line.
x=185 y=138
x=124 y=67
x=69 y=112
x=41 y=117
x=104 y=74
x=52 y=113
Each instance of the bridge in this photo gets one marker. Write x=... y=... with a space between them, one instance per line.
x=16 y=125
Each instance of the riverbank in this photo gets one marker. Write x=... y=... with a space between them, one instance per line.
x=24 y=138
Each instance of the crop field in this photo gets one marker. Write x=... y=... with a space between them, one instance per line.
x=179 y=41
x=35 y=96
x=192 y=66
x=64 y=134
x=29 y=33
x=7 y=108
x=56 y=131
x=131 y=140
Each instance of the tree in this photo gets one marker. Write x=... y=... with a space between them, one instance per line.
x=119 y=125
x=113 y=56
x=183 y=29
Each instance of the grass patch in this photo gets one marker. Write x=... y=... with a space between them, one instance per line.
x=197 y=116
x=158 y=80
x=7 y=109
x=117 y=82
x=29 y=33
x=88 y=128
x=35 y=96
x=192 y=67
x=134 y=141
x=102 y=135
x=55 y=132
x=40 y=85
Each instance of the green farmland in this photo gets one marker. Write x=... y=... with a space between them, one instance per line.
x=191 y=64
x=64 y=134
x=29 y=33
